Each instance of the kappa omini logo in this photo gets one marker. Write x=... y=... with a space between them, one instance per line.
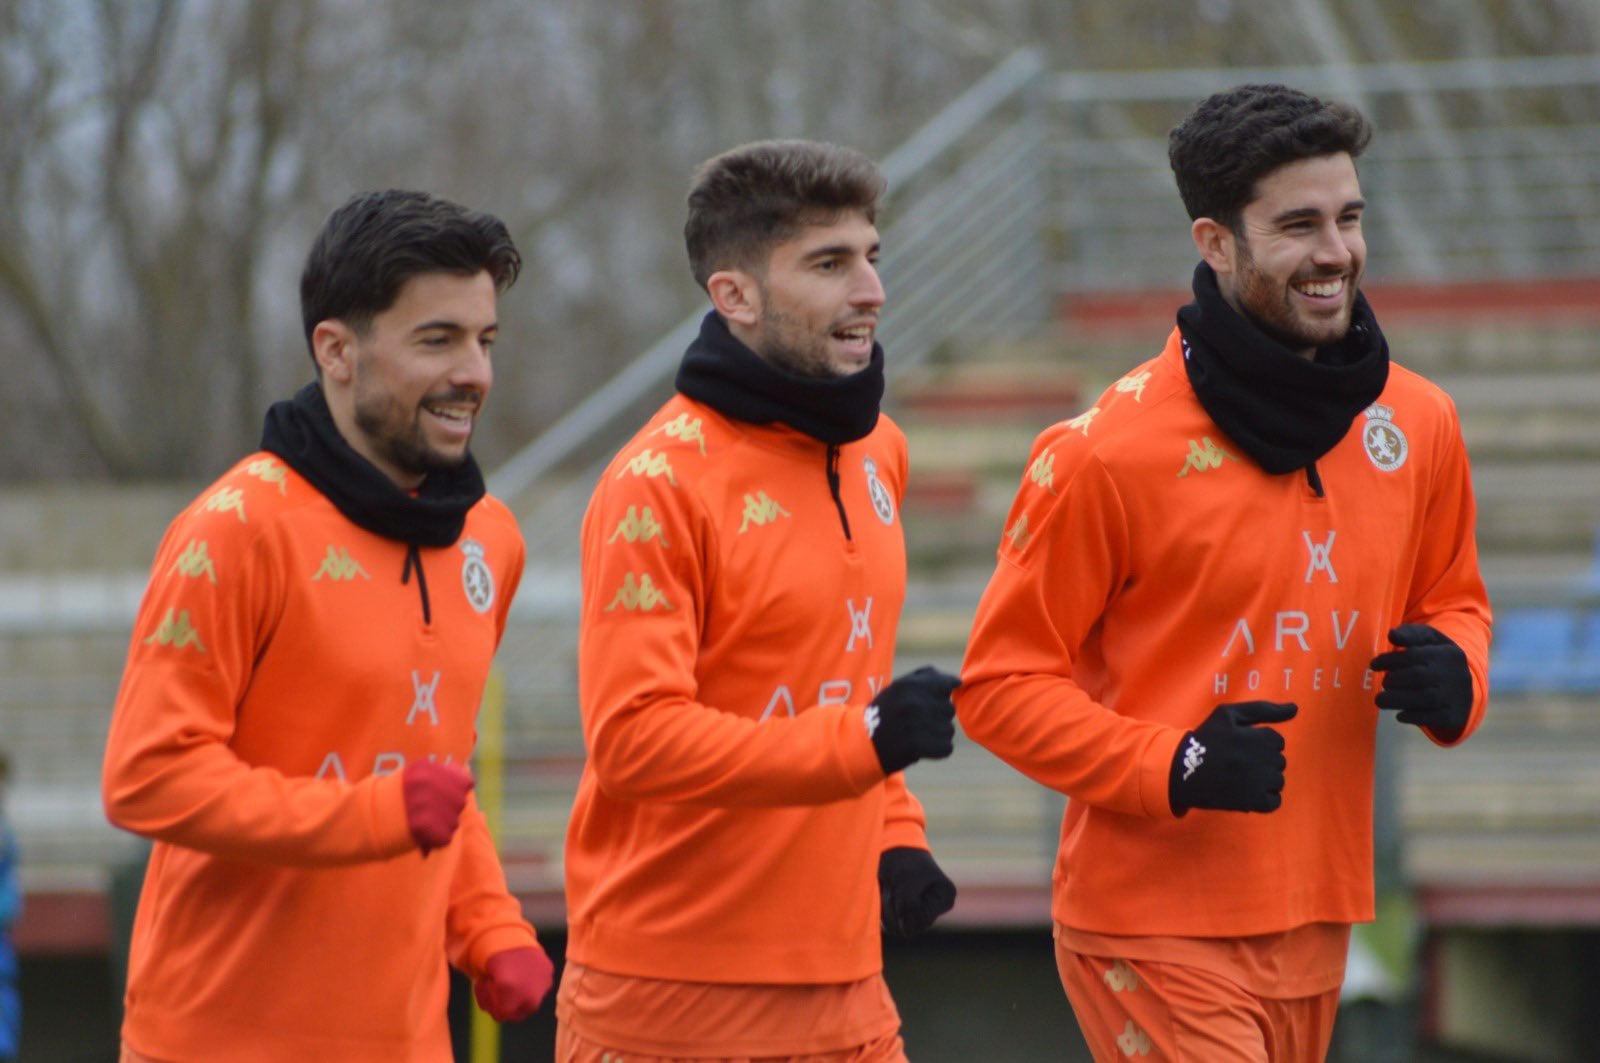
x=339 y=566
x=225 y=500
x=760 y=510
x=1134 y=1041
x=176 y=630
x=476 y=578
x=882 y=501
x=689 y=429
x=639 y=526
x=649 y=465
x=270 y=471
x=1043 y=471
x=638 y=594
x=1084 y=420
x=1204 y=455
x=1382 y=439
x=1133 y=384
x=1018 y=533
x=195 y=561
x=1121 y=978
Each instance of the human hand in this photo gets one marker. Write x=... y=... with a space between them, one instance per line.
x=514 y=983
x=915 y=891
x=1230 y=762
x=434 y=796
x=913 y=718
x=1426 y=679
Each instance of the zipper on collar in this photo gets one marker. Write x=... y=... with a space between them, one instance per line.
x=833 y=487
x=1314 y=478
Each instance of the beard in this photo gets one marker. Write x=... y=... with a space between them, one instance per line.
x=397 y=434
x=1267 y=303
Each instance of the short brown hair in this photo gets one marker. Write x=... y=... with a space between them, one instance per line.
x=746 y=201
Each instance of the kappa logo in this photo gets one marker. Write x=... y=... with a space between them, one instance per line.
x=1134 y=1041
x=1382 y=439
x=649 y=465
x=1018 y=533
x=638 y=595
x=225 y=500
x=176 y=631
x=871 y=717
x=760 y=510
x=476 y=578
x=860 y=624
x=1194 y=755
x=882 y=501
x=1121 y=978
x=195 y=562
x=1133 y=384
x=686 y=428
x=639 y=526
x=269 y=471
x=1084 y=420
x=1043 y=471
x=1321 y=556
x=338 y=566
x=1204 y=456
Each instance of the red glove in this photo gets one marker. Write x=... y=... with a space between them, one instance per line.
x=514 y=983
x=435 y=794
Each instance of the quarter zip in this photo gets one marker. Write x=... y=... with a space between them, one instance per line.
x=833 y=488
x=414 y=561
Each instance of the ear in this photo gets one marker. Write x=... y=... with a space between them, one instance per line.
x=736 y=296
x=1215 y=242
x=333 y=345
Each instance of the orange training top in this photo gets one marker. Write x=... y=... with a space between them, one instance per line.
x=279 y=676
x=730 y=816
x=1148 y=572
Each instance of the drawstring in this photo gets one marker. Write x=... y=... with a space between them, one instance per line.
x=1314 y=478
x=833 y=486
x=414 y=561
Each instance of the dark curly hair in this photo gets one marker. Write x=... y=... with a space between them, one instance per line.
x=1233 y=139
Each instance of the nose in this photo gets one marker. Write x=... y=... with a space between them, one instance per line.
x=868 y=289
x=473 y=368
x=1337 y=246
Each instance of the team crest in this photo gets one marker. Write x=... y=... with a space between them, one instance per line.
x=476 y=579
x=1385 y=444
x=882 y=502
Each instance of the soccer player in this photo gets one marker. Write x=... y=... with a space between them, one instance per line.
x=742 y=828
x=302 y=685
x=1208 y=585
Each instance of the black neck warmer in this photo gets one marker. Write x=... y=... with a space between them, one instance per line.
x=1284 y=410
x=301 y=432
x=723 y=373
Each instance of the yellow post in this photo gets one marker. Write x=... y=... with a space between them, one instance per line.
x=490 y=789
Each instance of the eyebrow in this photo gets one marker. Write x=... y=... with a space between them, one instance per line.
x=452 y=326
x=1295 y=213
x=832 y=250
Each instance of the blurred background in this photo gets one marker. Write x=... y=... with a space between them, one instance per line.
x=165 y=164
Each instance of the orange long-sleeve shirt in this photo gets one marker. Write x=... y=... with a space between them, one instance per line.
x=279 y=677
x=729 y=819
x=1148 y=572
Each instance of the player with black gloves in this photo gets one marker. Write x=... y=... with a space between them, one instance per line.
x=1212 y=586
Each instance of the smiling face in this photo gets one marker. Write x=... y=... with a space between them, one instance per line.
x=813 y=311
x=405 y=391
x=1295 y=264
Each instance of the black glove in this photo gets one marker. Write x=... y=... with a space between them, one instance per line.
x=915 y=892
x=1230 y=763
x=912 y=718
x=1427 y=679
